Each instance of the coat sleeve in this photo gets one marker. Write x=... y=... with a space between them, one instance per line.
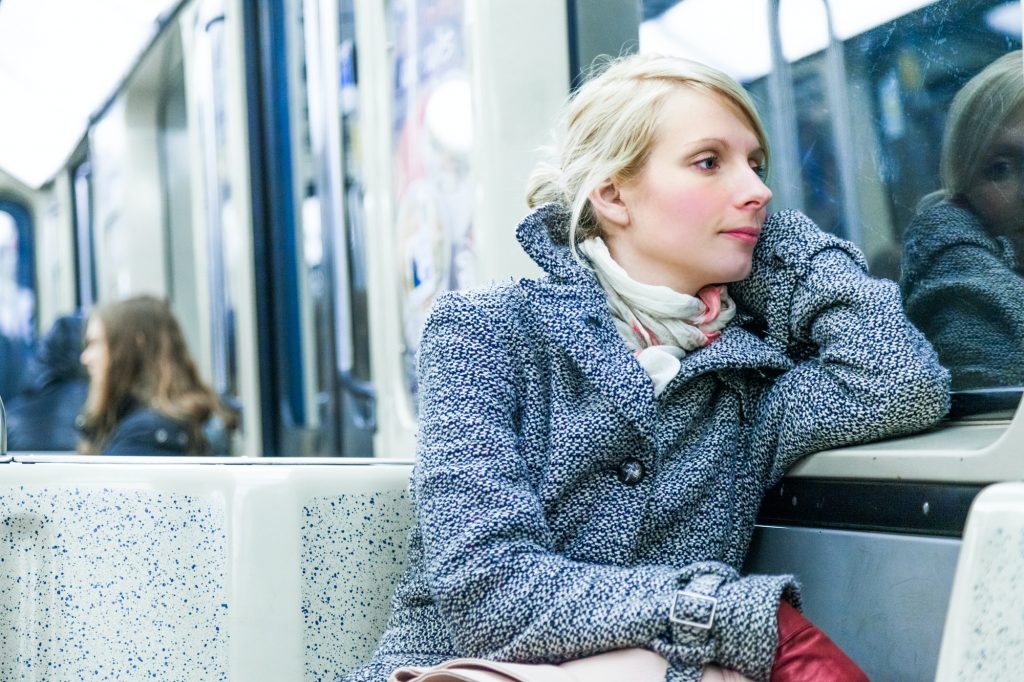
x=488 y=550
x=961 y=290
x=862 y=370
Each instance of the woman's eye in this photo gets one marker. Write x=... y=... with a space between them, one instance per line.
x=998 y=170
x=761 y=169
x=707 y=163
x=1003 y=169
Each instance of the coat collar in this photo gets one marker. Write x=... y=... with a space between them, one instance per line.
x=572 y=312
x=542 y=236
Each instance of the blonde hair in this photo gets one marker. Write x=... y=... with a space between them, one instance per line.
x=148 y=364
x=976 y=115
x=610 y=125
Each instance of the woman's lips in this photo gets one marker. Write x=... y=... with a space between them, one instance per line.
x=747 y=235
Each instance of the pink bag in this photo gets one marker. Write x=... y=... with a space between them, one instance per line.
x=639 y=665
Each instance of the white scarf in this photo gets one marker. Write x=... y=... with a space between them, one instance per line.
x=661 y=325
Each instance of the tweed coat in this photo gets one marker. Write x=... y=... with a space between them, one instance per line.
x=563 y=510
x=964 y=290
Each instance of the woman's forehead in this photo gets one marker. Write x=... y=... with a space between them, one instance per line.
x=699 y=113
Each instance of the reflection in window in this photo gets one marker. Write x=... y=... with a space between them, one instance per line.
x=856 y=97
x=963 y=250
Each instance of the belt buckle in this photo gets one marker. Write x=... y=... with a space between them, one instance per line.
x=680 y=620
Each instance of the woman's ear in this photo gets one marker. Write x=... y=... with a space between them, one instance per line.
x=608 y=204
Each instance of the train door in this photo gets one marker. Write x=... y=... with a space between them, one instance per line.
x=346 y=393
x=300 y=228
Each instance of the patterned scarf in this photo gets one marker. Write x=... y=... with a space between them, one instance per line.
x=659 y=324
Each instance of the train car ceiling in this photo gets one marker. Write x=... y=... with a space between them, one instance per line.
x=59 y=62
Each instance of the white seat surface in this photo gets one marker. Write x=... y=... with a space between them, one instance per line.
x=197 y=569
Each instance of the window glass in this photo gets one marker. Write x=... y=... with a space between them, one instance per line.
x=857 y=98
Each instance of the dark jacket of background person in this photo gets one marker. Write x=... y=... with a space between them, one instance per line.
x=42 y=416
x=560 y=505
x=143 y=431
x=962 y=289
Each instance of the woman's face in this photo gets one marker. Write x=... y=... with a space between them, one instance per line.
x=998 y=195
x=95 y=353
x=695 y=211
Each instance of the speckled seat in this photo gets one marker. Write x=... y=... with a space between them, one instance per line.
x=981 y=640
x=196 y=568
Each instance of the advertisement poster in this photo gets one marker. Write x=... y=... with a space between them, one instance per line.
x=432 y=138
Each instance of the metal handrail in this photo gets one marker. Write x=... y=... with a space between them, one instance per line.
x=787 y=181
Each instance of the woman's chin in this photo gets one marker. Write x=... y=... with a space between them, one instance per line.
x=737 y=274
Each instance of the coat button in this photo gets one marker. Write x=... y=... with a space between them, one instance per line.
x=592 y=320
x=161 y=435
x=631 y=471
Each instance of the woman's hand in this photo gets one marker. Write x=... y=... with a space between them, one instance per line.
x=783 y=259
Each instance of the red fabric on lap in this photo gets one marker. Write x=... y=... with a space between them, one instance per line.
x=806 y=654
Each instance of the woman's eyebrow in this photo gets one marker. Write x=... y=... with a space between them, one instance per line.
x=719 y=142
x=1006 y=148
x=707 y=141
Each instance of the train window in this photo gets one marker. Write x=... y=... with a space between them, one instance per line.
x=431 y=137
x=857 y=98
x=17 y=293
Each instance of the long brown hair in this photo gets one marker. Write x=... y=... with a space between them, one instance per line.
x=148 y=365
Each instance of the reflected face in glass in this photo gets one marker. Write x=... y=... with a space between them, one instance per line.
x=998 y=195
x=95 y=352
x=696 y=210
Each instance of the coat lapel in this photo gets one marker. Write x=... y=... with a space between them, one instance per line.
x=575 y=319
x=736 y=348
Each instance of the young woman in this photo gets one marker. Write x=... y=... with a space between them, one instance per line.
x=964 y=251
x=145 y=394
x=594 y=445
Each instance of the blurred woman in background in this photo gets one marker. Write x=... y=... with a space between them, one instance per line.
x=145 y=393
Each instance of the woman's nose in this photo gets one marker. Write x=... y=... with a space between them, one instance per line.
x=754 y=192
